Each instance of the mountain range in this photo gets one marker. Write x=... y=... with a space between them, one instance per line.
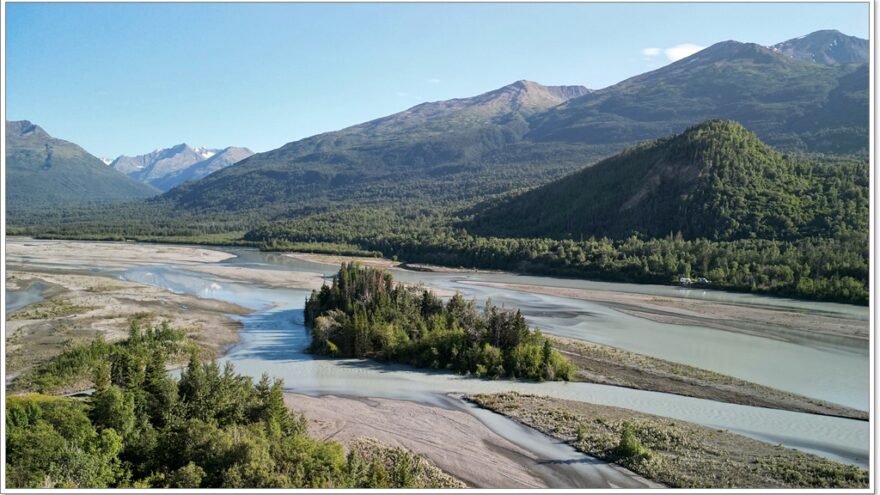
x=807 y=95
x=169 y=167
x=791 y=104
x=449 y=150
x=525 y=133
x=45 y=171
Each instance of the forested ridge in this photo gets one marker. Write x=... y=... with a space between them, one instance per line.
x=43 y=171
x=364 y=314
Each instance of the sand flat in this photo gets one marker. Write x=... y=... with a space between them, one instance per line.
x=454 y=441
x=773 y=323
x=106 y=254
x=336 y=259
x=270 y=278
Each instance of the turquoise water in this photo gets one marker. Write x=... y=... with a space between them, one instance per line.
x=274 y=339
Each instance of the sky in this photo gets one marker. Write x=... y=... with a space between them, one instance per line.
x=130 y=78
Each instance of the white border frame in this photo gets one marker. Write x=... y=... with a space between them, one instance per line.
x=872 y=278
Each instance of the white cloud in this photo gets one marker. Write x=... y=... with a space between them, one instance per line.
x=433 y=80
x=673 y=53
x=681 y=51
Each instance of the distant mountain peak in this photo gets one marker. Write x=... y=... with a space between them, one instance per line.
x=165 y=168
x=522 y=96
x=730 y=51
x=563 y=93
x=24 y=127
x=828 y=46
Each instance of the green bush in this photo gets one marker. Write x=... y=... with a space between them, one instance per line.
x=630 y=448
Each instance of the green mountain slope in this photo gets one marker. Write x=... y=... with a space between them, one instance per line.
x=716 y=181
x=791 y=104
x=44 y=171
x=443 y=151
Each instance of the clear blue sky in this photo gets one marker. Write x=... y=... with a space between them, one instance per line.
x=129 y=78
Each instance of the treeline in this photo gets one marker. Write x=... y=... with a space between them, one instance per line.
x=364 y=314
x=150 y=219
x=212 y=429
x=829 y=269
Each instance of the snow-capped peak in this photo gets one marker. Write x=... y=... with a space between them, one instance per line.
x=204 y=152
x=107 y=161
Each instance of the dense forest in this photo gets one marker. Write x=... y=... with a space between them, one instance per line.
x=832 y=269
x=364 y=314
x=142 y=429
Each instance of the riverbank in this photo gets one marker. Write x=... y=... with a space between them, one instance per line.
x=608 y=365
x=673 y=452
x=452 y=439
x=79 y=306
x=268 y=278
x=768 y=322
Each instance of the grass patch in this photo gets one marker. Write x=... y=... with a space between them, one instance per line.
x=47 y=310
x=630 y=449
x=382 y=466
x=97 y=289
x=233 y=238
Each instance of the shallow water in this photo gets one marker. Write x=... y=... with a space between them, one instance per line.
x=31 y=294
x=838 y=373
x=273 y=341
x=274 y=338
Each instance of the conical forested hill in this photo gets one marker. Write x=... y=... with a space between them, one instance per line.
x=716 y=180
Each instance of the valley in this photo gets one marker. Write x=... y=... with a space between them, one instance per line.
x=652 y=270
